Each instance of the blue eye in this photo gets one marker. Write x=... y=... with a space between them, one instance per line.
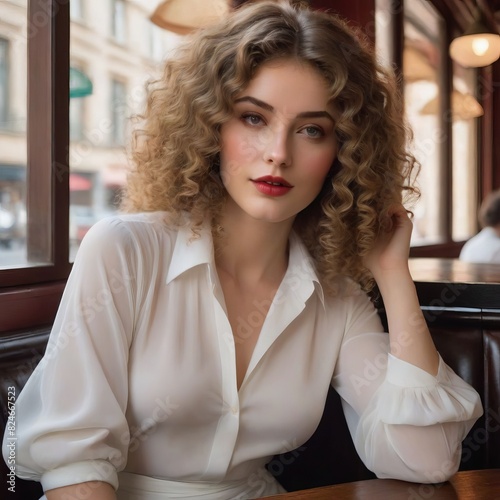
x=252 y=119
x=313 y=132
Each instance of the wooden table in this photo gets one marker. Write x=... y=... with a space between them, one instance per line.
x=465 y=485
x=476 y=285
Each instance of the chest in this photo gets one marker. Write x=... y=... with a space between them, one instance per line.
x=246 y=310
x=200 y=356
x=190 y=379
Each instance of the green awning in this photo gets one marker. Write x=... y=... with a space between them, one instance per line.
x=79 y=83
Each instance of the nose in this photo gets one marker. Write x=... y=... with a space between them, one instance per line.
x=277 y=150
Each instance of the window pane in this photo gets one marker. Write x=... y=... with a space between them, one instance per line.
x=13 y=123
x=118 y=20
x=76 y=9
x=79 y=89
x=384 y=26
x=118 y=111
x=465 y=111
x=76 y=119
x=99 y=118
x=4 y=82
x=423 y=52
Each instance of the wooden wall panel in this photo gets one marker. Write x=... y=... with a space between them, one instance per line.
x=361 y=12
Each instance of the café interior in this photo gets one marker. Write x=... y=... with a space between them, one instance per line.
x=446 y=57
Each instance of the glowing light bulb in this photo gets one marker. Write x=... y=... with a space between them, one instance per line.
x=480 y=46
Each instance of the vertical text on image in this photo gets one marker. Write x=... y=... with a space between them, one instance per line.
x=11 y=439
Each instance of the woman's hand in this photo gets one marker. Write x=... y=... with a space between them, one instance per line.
x=391 y=250
x=409 y=335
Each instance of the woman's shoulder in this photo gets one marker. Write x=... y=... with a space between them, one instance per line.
x=134 y=225
x=142 y=234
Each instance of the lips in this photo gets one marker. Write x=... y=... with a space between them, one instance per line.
x=272 y=186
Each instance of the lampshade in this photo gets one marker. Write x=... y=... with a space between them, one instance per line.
x=477 y=47
x=185 y=16
x=463 y=106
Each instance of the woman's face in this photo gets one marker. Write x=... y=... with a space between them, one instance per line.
x=279 y=145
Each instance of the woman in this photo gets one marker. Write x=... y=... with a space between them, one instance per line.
x=199 y=336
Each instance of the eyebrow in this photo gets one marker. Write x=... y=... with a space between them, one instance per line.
x=268 y=107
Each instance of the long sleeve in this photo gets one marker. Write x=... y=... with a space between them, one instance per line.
x=71 y=424
x=405 y=423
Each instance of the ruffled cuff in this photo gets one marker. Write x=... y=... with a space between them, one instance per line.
x=80 y=472
x=412 y=396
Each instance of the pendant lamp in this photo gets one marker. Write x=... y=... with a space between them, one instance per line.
x=185 y=16
x=463 y=106
x=477 y=47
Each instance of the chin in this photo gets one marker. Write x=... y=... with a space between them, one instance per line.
x=272 y=219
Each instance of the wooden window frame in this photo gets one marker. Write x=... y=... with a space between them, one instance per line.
x=488 y=153
x=29 y=296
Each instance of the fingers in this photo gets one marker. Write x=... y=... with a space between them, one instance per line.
x=398 y=215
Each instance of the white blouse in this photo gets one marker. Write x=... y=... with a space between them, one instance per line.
x=140 y=376
x=484 y=247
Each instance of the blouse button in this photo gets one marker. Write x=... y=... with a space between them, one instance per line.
x=234 y=410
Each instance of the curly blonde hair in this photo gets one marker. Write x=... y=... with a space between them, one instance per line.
x=175 y=154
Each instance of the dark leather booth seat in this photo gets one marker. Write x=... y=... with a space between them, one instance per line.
x=19 y=355
x=464 y=319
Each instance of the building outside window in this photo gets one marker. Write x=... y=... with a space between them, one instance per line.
x=118 y=111
x=118 y=20
x=13 y=152
x=4 y=82
x=76 y=10
x=76 y=106
x=156 y=38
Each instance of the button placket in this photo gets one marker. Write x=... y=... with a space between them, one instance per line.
x=227 y=430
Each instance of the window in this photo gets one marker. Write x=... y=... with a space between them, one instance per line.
x=76 y=10
x=442 y=109
x=465 y=110
x=4 y=83
x=118 y=111
x=106 y=87
x=118 y=20
x=156 y=35
x=38 y=235
x=33 y=176
x=13 y=251
x=385 y=46
x=425 y=94
x=76 y=109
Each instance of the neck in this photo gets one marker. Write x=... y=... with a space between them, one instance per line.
x=252 y=251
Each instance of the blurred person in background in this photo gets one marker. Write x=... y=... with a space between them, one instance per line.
x=484 y=247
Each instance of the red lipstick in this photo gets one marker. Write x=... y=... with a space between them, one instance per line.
x=272 y=186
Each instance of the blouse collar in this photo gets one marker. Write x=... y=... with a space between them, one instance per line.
x=191 y=251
